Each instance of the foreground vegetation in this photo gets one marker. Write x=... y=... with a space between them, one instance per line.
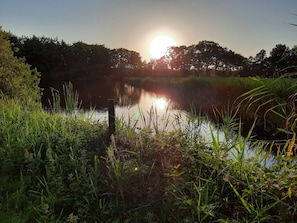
x=58 y=168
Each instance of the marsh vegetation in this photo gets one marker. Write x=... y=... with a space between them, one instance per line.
x=62 y=168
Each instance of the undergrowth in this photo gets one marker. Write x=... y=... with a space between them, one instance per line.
x=46 y=163
x=61 y=168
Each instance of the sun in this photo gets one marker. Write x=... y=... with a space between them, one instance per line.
x=159 y=45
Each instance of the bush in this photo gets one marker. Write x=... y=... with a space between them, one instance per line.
x=16 y=77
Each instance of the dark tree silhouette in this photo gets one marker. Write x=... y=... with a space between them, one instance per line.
x=58 y=61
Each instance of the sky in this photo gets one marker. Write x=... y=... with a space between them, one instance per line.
x=244 y=26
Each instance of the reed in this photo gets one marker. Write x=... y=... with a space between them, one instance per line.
x=71 y=99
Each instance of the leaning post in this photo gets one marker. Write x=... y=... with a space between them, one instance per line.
x=111 y=118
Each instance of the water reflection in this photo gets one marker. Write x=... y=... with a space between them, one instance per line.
x=144 y=110
x=141 y=109
x=151 y=110
x=161 y=103
x=95 y=94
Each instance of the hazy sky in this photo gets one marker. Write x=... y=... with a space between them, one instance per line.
x=244 y=26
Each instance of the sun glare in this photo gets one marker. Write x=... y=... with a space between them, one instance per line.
x=161 y=103
x=159 y=46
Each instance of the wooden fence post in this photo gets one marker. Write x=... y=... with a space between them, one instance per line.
x=111 y=118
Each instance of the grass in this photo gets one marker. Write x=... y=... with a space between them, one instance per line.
x=60 y=168
x=44 y=162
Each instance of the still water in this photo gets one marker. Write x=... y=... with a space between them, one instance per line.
x=151 y=111
x=155 y=111
x=158 y=111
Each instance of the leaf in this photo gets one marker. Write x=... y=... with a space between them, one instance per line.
x=292 y=144
x=290 y=192
x=188 y=202
x=243 y=201
x=283 y=130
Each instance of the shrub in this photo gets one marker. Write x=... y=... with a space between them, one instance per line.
x=16 y=77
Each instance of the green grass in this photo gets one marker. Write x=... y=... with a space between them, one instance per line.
x=46 y=160
x=61 y=168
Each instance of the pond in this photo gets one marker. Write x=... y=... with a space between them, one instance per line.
x=158 y=111
x=135 y=106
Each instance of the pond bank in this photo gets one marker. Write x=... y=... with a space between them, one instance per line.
x=139 y=177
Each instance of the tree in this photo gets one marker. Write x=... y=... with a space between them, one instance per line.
x=204 y=57
x=84 y=61
x=258 y=64
x=45 y=54
x=125 y=61
x=41 y=52
x=178 y=57
x=278 y=59
x=58 y=61
x=16 y=77
x=282 y=60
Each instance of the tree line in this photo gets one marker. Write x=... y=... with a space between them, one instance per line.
x=58 y=61
x=208 y=58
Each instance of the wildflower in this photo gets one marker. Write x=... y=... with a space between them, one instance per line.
x=70 y=177
x=45 y=208
x=72 y=218
x=28 y=155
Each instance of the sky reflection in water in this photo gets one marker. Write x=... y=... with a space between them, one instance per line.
x=154 y=111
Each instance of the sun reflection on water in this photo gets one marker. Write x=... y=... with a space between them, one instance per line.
x=160 y=103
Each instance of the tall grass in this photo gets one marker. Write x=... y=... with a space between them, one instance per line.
x=58 y=168
x=45 y=163
x=71 y=99
x=273 y=104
